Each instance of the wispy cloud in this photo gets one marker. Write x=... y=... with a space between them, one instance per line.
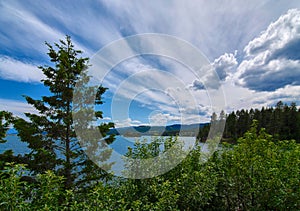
x=212 y=27
x=158 y=90
x=25 y=32
x=18 y=108
x=16 y=70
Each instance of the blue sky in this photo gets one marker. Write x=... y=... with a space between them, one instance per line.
x=253 y=45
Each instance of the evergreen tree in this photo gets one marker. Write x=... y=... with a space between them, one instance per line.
x=243 y=122
x=294 y=122
x=230 y=127
x=282 y=122
x=50 y=134
x=277 y=118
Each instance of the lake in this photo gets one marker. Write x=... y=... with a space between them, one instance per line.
x=120 y=145
x=13 y=142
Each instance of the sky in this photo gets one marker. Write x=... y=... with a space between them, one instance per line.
x=252 y=48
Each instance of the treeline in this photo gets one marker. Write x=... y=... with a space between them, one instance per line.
x=281 y=121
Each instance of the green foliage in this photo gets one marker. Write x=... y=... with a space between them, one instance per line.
x=259 y=174
x=12 y=189
x=49 y=191
x=256 y=174
x=189 y=186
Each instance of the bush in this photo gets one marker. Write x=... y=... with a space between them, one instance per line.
x=255 y=174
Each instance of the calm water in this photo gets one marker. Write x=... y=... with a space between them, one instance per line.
x=13 y=142
x=120 y=145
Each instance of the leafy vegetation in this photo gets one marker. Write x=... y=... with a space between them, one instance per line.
x=256 y=174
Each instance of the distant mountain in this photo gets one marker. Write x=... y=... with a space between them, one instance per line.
x=175 y=129
x=142 y=130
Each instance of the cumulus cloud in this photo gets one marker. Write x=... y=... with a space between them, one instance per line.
x=272 y=59
x=221 y=68
x=197 y=85
x=15 y=70
x=225 y=64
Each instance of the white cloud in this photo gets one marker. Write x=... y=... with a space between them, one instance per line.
x=26 y=32
x=222 y=67
x=18 y=108
x=157 y=118
x=86 y=20
x=212 y=27
x=15 y=70
x=106 y=119
x=238 y=98
x=277 y=36
x=157 y=90
x=273 y=59
x=225 y=65
x=126 y=123
x=286 y=94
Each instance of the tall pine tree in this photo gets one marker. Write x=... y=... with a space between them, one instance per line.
x=50 y=134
